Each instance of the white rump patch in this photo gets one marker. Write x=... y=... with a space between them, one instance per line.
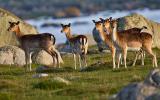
x=133 y=49
x=52 y=37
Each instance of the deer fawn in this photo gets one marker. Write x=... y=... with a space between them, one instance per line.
x=78 y=45
x=30 y=43
x=132 y=40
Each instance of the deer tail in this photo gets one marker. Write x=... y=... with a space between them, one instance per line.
x=53 y=39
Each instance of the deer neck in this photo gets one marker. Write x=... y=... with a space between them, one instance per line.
x=102 y=34
x=109 y=30
x=68 y=35
x=114 y=33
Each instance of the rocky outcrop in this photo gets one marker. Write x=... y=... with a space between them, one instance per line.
x=149 y=89
x=44 y=58
x=12 y=55
x=8 y=38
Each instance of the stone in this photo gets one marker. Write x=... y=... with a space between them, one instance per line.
x=41 y=75
x=146 y=90
x=12 y=55
x=59 y=79
x=43 y=58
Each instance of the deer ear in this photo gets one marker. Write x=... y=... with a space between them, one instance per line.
x=62 y=25
x=110 y=18
x=101 y=19
x=94 y=21
x=17 y=23
x=69 y=24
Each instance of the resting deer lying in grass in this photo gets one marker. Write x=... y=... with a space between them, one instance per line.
x=139 y=51
x=30 y=43
x=78 y=44
x=128 y=40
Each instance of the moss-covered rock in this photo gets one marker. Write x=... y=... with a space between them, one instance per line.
x=8 y=38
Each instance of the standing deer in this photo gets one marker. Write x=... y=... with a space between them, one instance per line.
x=128 y=40
x=29 y=43
x=107 y=39
x=78 y=45
x=139 y=51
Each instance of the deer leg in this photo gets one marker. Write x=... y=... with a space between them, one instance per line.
x=55 y=61
x=124 y=57
x=85 y=55
x=118 y=58
x=135 y=59
x=154 y=59
x=113 y=57
x=85 y=62
x=58 y=56
x=30 y=61
x=27 y=60
x=74 y=57
x=53 y=54
x=143 y=56
x=80 y=60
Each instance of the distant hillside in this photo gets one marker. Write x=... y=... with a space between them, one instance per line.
x=71 y=8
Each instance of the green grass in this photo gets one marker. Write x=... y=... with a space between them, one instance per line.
x=98 y=81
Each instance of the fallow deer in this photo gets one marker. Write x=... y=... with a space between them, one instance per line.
x=78 y=45
x=128 y=40
x=98 y=39
x=31 y=42
x=139 y=52
x=108 y=41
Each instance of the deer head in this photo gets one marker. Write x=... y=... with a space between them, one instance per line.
x=106 y=22
x=98 y=25
x=65 y=28
x=13 y=26
x=114 y=23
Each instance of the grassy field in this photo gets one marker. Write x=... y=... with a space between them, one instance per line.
x=98 y=81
